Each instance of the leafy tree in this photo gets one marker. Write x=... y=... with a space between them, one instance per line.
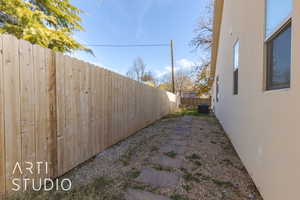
x=183 y=82
x=49 y=23
x=201 y=83
x=203 y=41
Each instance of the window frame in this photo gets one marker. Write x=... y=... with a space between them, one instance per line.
x=236 y=68
x=269 y=69
x=269 y=48
x=288 y=21
x=218 y=88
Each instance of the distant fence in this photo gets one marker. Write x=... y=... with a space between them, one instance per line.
x=193 y=102
x=63 y=111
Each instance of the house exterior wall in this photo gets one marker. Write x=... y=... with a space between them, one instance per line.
x=264 y=126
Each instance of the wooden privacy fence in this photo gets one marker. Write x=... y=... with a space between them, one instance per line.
x=193 y=102
x=63 y=111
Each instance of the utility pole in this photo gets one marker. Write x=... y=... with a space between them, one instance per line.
x=172 y=62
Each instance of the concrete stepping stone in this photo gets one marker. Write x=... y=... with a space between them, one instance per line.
x=158 y=178
x=166 y=161
x=143 y=195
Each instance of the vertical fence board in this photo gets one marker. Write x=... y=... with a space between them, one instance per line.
x=93 y=114
x=107 y=108
x=41 y=107
x=61 y=108
x=52 y=121
x=2 y=138
x=27 y=105
x=11 y=108
x=68 y=140
x=85 y=110
x=110 y=109
x=113 y=111
x=99 y=110
x=102 y=106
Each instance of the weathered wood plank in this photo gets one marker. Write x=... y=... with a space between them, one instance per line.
x=2 y=134
x=91 y=113
x=13 y=140
x=110 y=107
x=52 y=121
x=61 y=108
x=69 y=116
x=41 y=123
x=102 y=112
x=27 y=105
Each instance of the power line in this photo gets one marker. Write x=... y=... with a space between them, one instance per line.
x=127 y=45
x=171 y=45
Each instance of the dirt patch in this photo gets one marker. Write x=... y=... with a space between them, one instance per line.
x=204 y=160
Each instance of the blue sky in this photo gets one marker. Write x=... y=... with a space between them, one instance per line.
x=139 y=22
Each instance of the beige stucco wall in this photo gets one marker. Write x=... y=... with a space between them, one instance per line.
x=264 y=126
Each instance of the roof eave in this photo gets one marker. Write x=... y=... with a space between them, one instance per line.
x=218 y=13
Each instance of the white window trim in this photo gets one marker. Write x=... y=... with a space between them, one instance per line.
x=233 y=57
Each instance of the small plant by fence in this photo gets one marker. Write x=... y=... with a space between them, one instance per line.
x=62 y=111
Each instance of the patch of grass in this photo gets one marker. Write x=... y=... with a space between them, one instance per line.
x=228 y=147
x=190 y=177
x=193 y=112
x=198 y=163
x=222 y=183
x=161 y=168
x=179 y=197
x=227 y=162
x=124 y=162
x=183 y=170
x=171 y=154
x=101 y=182
x=185 y=111
x=133 y=174
x=126 y=158
x=172 y=115
x=187 y=187
x=139 y=187
x=154 y=149
x=203 y=177
x=194 y=156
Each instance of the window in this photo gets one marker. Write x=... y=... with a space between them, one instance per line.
x=277 y=12
x=278 y=43
x=217 y=89
x=236 y=50
x=279 y=60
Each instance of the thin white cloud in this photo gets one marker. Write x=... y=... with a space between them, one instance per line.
x=182 y=64
x=185 y=64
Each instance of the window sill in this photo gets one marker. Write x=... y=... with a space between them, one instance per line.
x=277 y=91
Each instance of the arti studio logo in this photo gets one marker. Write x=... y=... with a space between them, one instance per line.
x=36 y=184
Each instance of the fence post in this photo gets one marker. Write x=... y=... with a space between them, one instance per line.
x=52 y=140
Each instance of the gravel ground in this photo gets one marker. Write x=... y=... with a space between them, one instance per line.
x=193 y=149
